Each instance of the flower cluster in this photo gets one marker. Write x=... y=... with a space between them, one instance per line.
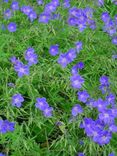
x=8 y=13
x=101 y=130
x=29 y=12
x=110 y=26
x=6 y=126
x=48 y=12
x=22 y=69
x=68 y=57
x=42 y=105
x=81 y=18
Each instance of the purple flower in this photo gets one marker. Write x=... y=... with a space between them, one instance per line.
x=63 y=60
x=100 y=105
x=21 y=69
x=88 y=12
x=111 y=98
x=81 y=18
x=81 y=142
x=78 y=46
x=113 y=128
x=80 y=154
x=103 y=137
x=14 y=60
x=49 y=8
x=12 y=27
x=77 y=109
x=111 y=154
x=1 y=154
x=41 y=104
x=95 y=130
x=48 y=112
x=66 y=4
x=83 y=96
x=71 y=55
x=88 y=125
x=114 y=40
x=17 y=100
x=74 y=70
x=100 y=2
x=6 y=1
x=90 y=102
x=7 y=14
x=80 y=65
x=77 y=81
x=15 y=5
x=92 y=24
x=110 y=27
x=32 y=16
x=105 y=17
x=114 y=57
x=26 y=9
x=75 y=12
x=107 y=116
x=104 y=80
x=115 y=2
x=10 y=84
x=31 y=57
x=40 y=2
x=81 y=26
x=56 y=3
x=54 y=50
x=29 y=51
x=6 y=126
x=44 y=18
x=56 y=16
x=104 y=89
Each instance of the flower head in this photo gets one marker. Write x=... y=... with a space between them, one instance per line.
x=77 y=109
x=48 y=112
x=7 y=14
x=15 y=5
x=41 y=104
x=32 y=16
x=44 y=18
x=12 y=27
x=21 y=69
x=78 y=46
x=54 y=50
x=31 y=57
x=83 y=96
x=104 y=80
x=6 y=126
x=17 y=100
x=77 y=81
x=40 y=2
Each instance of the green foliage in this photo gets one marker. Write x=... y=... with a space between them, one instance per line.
x=34 y=135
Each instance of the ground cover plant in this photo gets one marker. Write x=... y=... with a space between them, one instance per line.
x=58 y=79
